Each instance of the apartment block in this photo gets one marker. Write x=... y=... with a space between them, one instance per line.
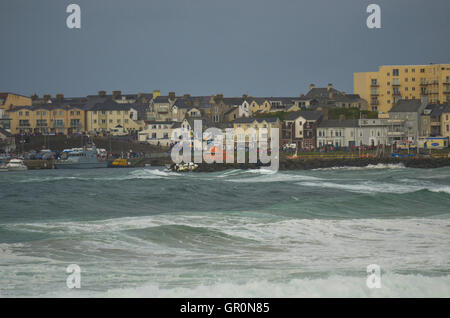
x=385 y=87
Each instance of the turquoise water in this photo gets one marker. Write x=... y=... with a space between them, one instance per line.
x=148 y=232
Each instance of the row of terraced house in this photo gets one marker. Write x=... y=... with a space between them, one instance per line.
x=303 y=121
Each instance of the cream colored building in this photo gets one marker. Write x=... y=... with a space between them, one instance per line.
x=242 y=125
x=109 y=117
x=385 y=87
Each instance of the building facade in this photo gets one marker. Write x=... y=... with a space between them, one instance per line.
x=385 y=87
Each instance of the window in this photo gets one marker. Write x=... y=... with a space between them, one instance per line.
x=118 y=112
x=413 y=70
x=118 y=121
x=413 y=79
x=54 y=113
x=406 y=70
x=374 y=81
x=126 y=121
x=71 y=113
x=61 y=113
x=406 y=79
x=422 y=70
x=103 y=121
x=95 y=121
x=395 y=72
x=27 y=113
x=38 y=113
x=95 y=112
x=78 y=113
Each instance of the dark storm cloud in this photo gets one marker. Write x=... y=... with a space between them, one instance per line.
x=257 y=47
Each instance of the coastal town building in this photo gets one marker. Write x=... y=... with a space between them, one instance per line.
x=7 y=141
x=10 y=100
x=47 y=118
x=300 y=128
x=409 y=111
x=159 y=133
x=321 y=98
x=111 y=117
x=385 y=87
x=242 y=125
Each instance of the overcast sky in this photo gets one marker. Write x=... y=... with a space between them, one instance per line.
x=203 y=47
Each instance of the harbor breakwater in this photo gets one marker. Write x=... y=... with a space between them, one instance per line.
x=308 y=164
x=285 y=164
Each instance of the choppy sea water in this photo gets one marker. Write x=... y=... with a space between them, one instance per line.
x=152 y=233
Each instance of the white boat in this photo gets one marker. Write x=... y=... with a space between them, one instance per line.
x=16 y=165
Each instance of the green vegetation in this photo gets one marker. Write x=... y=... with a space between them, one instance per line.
x=351 y=113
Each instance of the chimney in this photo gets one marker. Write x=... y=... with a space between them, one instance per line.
x=219 y=97
x=172 y=95
x=187 y=95
x=59 y=97
x=302 y=95
x=244 y=96
x=311 y=86
x=47 y=97
x=34 y=96
x=156 y=93
x=330 y=86
x=102 y=93
x=116 y=94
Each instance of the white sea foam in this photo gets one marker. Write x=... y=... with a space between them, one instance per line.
x=368 y=167
x=274 y=177
x=254 y=245
x=377 y=187
x=392 y=285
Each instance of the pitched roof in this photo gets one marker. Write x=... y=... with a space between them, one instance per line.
x=338 y=123
x=405 y=106
x=111 y=105
x=247 y=120
x=307 y=114
x=322 y=92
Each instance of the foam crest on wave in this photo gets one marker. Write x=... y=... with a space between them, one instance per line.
x=392 y=285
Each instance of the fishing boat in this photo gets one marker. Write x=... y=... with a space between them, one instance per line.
x=16 y=165
x=81 y=158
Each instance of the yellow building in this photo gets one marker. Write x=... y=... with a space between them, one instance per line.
x=8 y=100
x=382 y=89
x=259 y=105
x=241 y=126
x=113 y=118
x=46 y=119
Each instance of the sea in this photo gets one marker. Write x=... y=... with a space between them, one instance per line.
x=148 y=232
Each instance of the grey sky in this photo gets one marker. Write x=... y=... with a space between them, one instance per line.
x=203 y=47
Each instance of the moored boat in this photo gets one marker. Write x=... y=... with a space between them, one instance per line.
x=85 y=158
x=16 y=165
